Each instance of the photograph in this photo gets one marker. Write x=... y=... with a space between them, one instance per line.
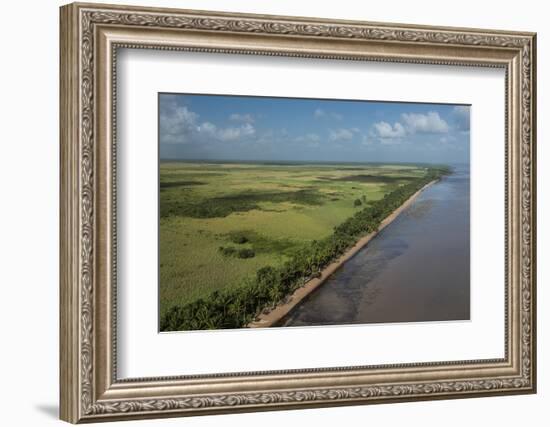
x=278 y=212
x=276 y=209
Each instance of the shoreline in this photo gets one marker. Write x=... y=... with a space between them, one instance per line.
x=281 y=310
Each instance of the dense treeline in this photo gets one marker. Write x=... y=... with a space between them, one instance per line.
x=222 y=206
x=171 y=184
x=238 y=306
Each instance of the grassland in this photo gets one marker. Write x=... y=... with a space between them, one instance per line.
x=221 y=223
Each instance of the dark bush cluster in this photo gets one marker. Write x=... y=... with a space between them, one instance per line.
x=369 y=178
x=239 y=238
x=222 y=206
x=239 y=253
x=246 y=253
x=171 y=184
x=227 y=250
x=236 y=307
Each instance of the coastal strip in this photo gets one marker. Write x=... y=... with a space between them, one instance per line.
x=266 y=320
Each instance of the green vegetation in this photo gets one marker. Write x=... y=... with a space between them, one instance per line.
x=239 y=253
x=171 y=184
x=236 y=239
x=368 y=178
x=219 y=207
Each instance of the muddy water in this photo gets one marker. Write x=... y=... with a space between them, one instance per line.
x=416 y=269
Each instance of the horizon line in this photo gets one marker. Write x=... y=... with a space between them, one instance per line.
x=310 y=161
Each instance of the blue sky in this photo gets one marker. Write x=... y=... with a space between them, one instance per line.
x=211 y=127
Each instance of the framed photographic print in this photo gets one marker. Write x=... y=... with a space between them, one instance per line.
x=265 y=212
x=272 y=188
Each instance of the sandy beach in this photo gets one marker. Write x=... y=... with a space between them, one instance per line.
x=281 y=310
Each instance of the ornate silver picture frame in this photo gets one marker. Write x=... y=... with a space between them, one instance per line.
x=91 y=34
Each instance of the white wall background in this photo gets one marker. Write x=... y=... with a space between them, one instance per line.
x=29 y=170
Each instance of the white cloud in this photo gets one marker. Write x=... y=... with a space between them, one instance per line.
x=180 y=125
x=310 y=140
x=310 y=137
x=207 y=128
x=231 y=134
x=266 y=137
x=410 y=124
x=340 y=135
x=385 y=130
x=226 y=134
x=244 y=118
x=424 y=123
x=319 y=113
x=177 y=123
